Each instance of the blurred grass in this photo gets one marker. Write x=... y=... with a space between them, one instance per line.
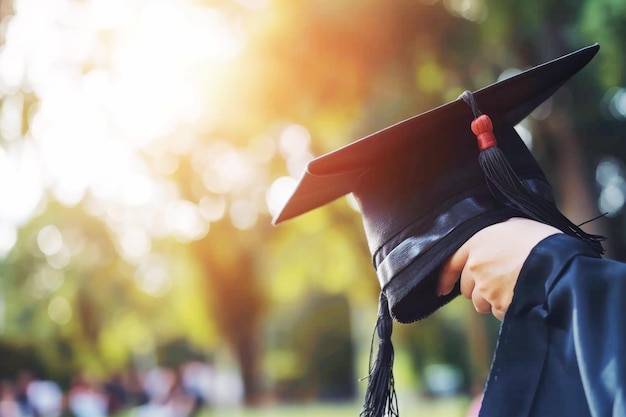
x=454 y=407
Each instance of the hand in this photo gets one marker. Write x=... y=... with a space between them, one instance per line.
x=489 y=263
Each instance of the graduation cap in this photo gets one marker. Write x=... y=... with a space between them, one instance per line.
x=427 y=184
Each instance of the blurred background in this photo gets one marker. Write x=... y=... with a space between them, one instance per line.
x=145 y=145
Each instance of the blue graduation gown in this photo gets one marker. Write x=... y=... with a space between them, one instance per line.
x=562 y=344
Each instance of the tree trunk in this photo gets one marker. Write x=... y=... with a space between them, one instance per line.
x=235 y=301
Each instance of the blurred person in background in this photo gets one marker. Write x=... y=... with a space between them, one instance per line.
x=166 y=396
x=24 y=378
x=198 y=380
x=9 y=407
x=45 y=397
x=85 y=399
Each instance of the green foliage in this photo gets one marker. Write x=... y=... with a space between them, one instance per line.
x=603 y=21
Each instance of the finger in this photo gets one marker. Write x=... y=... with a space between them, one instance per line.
x=497 y=313
x=480 y=304
x=451 y=271
x=467 y=284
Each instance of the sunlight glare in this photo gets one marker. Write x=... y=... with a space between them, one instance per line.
x=115 y=80
x=161 y=59
x=157 y=73
x=278 y=193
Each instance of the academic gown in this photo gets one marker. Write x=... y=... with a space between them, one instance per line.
x=562 y=344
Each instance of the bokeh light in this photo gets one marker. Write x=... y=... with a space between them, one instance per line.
x=279 y=192
x=47 y=280
x=50 y=240
x=614 y=103
x=610 y=177
x=152 y=276
x=294 y=144
x=60 y=310
x=472 y=10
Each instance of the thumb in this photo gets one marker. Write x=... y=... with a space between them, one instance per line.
x=451 y=271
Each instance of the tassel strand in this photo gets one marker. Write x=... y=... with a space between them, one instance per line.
x=380 y=396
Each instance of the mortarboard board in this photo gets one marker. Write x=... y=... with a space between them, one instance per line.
x=424 y=187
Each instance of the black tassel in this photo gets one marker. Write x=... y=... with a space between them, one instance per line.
x=503 y=180
x=380 y=396
x=506 y=186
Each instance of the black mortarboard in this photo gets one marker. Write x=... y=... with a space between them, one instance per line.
x=424 y=187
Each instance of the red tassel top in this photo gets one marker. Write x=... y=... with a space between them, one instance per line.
x=483 y=129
